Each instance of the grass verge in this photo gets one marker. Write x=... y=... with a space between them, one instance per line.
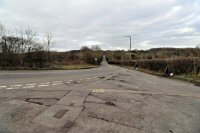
x=190 y=78
x=53 y=67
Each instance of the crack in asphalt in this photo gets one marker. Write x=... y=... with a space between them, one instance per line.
x=103 y=119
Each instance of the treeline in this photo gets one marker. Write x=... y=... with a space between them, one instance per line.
x=75 y=57
x=27 y=49
x=156 y=53
x=24 y=49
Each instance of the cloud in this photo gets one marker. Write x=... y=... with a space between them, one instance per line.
x=74 y=23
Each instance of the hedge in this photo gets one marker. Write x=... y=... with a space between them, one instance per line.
x=177 y=65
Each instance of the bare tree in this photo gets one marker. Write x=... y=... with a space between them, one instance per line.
x=2 y=33
x=21 y=35
x=84 y=48
x=198 y=49
x=30 y=35
x=48 y=40
x=2 y=30
x=95 y=47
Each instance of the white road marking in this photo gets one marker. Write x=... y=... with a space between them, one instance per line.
x=68 y=82
x=87 y=78
x=2 y=86
x=43 y=85
x=79 y=81
x=56 y=83
x=95 y=77
x=25 y=87
x=31 y=84
x=16 y=85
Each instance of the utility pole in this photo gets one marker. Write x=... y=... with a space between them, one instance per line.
x=130 y=45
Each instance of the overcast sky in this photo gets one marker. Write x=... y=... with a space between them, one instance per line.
x=76 y=23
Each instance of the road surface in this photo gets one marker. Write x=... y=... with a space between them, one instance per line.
x=107 y=99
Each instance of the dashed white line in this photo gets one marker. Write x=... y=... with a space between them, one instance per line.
x=3 y=86
x=43 y=85
x=31 y=84
x=16 y=85
x=26 y=87
x=87 y=78
x=68 y=82
x=57 y=84
x=57 y=81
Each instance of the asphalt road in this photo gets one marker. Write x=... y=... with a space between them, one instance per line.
x=107 y=99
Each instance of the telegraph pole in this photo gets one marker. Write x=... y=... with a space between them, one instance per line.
x=130 y=45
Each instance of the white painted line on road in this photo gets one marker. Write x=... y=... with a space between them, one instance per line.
x=79 y=81
x=43 y=85
x=3 y=86
x=68 y=82
x=16 y=85
x=57 y=81
x=57 y=84
x=31 y=84
x=87 y=78
x=26 y=87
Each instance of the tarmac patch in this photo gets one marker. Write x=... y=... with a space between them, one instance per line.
x=57 y=115
x=60 y=113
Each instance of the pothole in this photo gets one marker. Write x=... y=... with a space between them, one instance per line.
x=110 y=103
x=197 y=84
x=42 y=101
x=75 y=82
x=101 y=77
x=68 y=124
